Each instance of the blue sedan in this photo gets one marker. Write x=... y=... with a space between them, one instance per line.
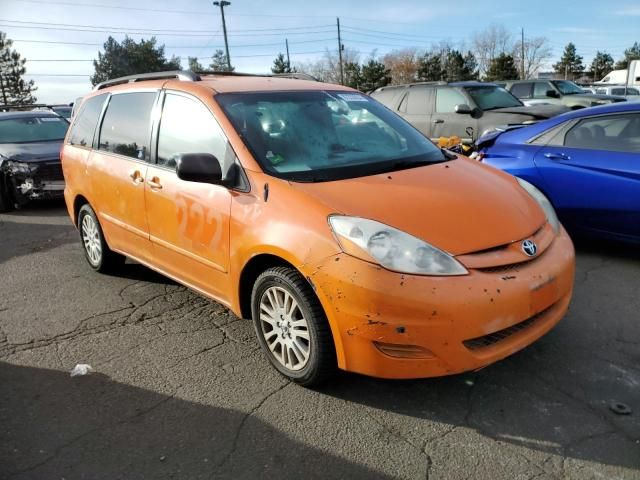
x=587 y=162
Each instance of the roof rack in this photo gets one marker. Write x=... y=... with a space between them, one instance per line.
x=189 y=76
x=294 y=75
x=32 y=106
x=184 y=75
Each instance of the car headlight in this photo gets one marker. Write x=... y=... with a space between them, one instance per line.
x=18 y=167
x=391 y=248
x=544 y=203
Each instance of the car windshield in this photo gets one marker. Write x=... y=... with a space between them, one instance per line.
x=490 y=97
x=311 y=136
x=566 y=87
x=32 y=129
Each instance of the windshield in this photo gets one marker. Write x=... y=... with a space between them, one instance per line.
x=312 y=136
x=566 y=87
x=490 y=98
x=32 y=129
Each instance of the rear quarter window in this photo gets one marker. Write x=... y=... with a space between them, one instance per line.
x=84 y=125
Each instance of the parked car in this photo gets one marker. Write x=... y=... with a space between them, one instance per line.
x=630 y=93
x=347 y=236
x=463 y=109
x=586 y=162
x=62 y=110
x=30 y=157
x=559 y=92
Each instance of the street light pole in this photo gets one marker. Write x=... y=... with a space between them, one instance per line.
x=223 y=4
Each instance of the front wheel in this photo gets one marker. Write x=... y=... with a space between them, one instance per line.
x=5 y=200
x=291 y=326
x=98 y=254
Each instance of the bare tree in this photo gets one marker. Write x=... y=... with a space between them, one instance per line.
x=489 y=43
x=403 y=65
x=327 y=68
x=537 y=52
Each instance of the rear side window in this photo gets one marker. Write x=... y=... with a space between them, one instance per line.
x=522 y=90
x=187 y=126
x=126 y=128
x=417 y=101
x=86 y=120
x=447 y=99
x=618 y=133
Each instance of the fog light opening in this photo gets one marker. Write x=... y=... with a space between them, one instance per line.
x=404 y=351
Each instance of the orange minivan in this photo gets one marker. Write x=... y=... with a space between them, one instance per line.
x=349 y=238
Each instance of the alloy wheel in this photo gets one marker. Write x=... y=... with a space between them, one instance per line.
x=284 y=328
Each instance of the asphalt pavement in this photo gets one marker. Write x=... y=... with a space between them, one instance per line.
x=181 y=389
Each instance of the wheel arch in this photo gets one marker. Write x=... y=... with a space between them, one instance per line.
x=258 y=264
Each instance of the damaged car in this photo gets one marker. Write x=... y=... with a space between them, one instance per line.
x=30 y=167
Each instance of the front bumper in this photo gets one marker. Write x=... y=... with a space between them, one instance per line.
x=391 y=325
x=34 y=181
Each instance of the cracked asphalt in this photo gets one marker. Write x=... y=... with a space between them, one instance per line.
x=181 y=389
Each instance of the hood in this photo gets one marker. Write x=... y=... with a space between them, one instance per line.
x=535 y=111
x=460 y=206
x=31 y=152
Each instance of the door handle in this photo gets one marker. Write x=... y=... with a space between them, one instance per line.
x=438 y=120
x=136 y=176
x=155 y=184
x=557 y=156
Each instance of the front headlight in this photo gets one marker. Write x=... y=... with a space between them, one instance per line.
x=391 y=248
x=544 y=203
x=18 y=167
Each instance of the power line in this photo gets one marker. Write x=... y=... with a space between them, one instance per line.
x=78 y=25
x=158 y=34
x=275 y=44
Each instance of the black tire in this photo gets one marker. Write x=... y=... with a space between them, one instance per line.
x=6 y=205
x=321 y=362
x=107 y=260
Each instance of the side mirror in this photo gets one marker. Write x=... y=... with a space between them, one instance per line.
x=462 y=108
x=199 y=167
x=551 y=93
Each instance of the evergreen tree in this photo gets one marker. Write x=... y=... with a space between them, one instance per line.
x=374 y=75
x=195 y=65
x=219 y=62
x=430 y=68
x=352 y=75
x=632 y=53
x=570 y=64
x=130 y=58
x=502 y=67
x=14 y=90
x=458 y=67
x=601 y=65
x=280 y=65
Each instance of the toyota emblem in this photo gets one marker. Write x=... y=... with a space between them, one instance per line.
x=530 y=248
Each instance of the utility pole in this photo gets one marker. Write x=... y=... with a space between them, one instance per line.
x=340 y=52
x=286 y=42
x=522 y=55
x=223 y=4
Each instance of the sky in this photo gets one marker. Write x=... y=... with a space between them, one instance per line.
x=257 y=30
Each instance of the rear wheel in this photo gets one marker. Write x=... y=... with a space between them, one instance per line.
x=291 y=326
x=97 y=252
